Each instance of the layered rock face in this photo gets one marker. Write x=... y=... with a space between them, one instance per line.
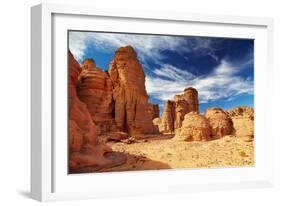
x=84 y=147
x=117 y=99
x=95 y=89
x=174 y=111
x=167 y=119
x=195 y=127
x=220 y=122
x=185 y=103
x=243 y=121
x=131 y=112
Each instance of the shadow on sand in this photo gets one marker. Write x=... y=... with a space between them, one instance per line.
x=124 y=162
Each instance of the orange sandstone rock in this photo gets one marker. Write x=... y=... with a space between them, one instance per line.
x=195 y=127
x=185 y=103
x=174 y=111
x=153 y=110
x=158 y=123
x=243 y=121
x=131 y=111
x=220 y=122
x=84 y=147
x=95 y=89
x=168 y=117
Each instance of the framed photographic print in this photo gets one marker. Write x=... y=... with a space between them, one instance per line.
x=137 y=102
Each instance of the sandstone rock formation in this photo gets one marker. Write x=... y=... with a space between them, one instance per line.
x=95 y=89
x=167 y=119
x=195 y=127
x=185 y=103
x=84 y=147
x=220 y=122
x=174 y=111
x=117 y=99
x=131 y=111
x=153 y=110
x=158 y=123
x=243 y=121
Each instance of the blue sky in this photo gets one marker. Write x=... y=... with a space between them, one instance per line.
x=221 y=69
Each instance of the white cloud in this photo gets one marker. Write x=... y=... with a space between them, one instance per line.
x=147 y=46
x=173 y=73
x=77 y=44
x=164 y=89
x=223 y=82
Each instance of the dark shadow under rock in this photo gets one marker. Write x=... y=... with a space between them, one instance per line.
x=116 y=159
x=137 y=163
x=124 y=162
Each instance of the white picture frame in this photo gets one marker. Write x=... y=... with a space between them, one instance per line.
x=49 y=177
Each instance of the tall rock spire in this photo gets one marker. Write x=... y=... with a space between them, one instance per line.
x=131 y=110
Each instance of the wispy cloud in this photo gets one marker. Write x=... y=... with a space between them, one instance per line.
x=147 y=46
x=173 y=73
x=222 y=83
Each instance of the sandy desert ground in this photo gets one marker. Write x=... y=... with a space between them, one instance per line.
x=163 y=152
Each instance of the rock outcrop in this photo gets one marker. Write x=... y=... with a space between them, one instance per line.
x=84 y=147
x=95 y=89
x=176 y=109
x=185 y=103
x=195 y=127
x=131 y=111
x=167 y=119
x=117 y=99
x=158 y=123
x=220 y=122
x=243 y=121
x=153 y=110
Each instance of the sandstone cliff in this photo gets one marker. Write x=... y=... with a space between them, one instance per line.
x=243 y=121
x=131 y=111
x=117 y=99
x=84 y=147
x=95 y=89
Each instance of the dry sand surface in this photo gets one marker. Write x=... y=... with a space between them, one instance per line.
x=165 y=153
